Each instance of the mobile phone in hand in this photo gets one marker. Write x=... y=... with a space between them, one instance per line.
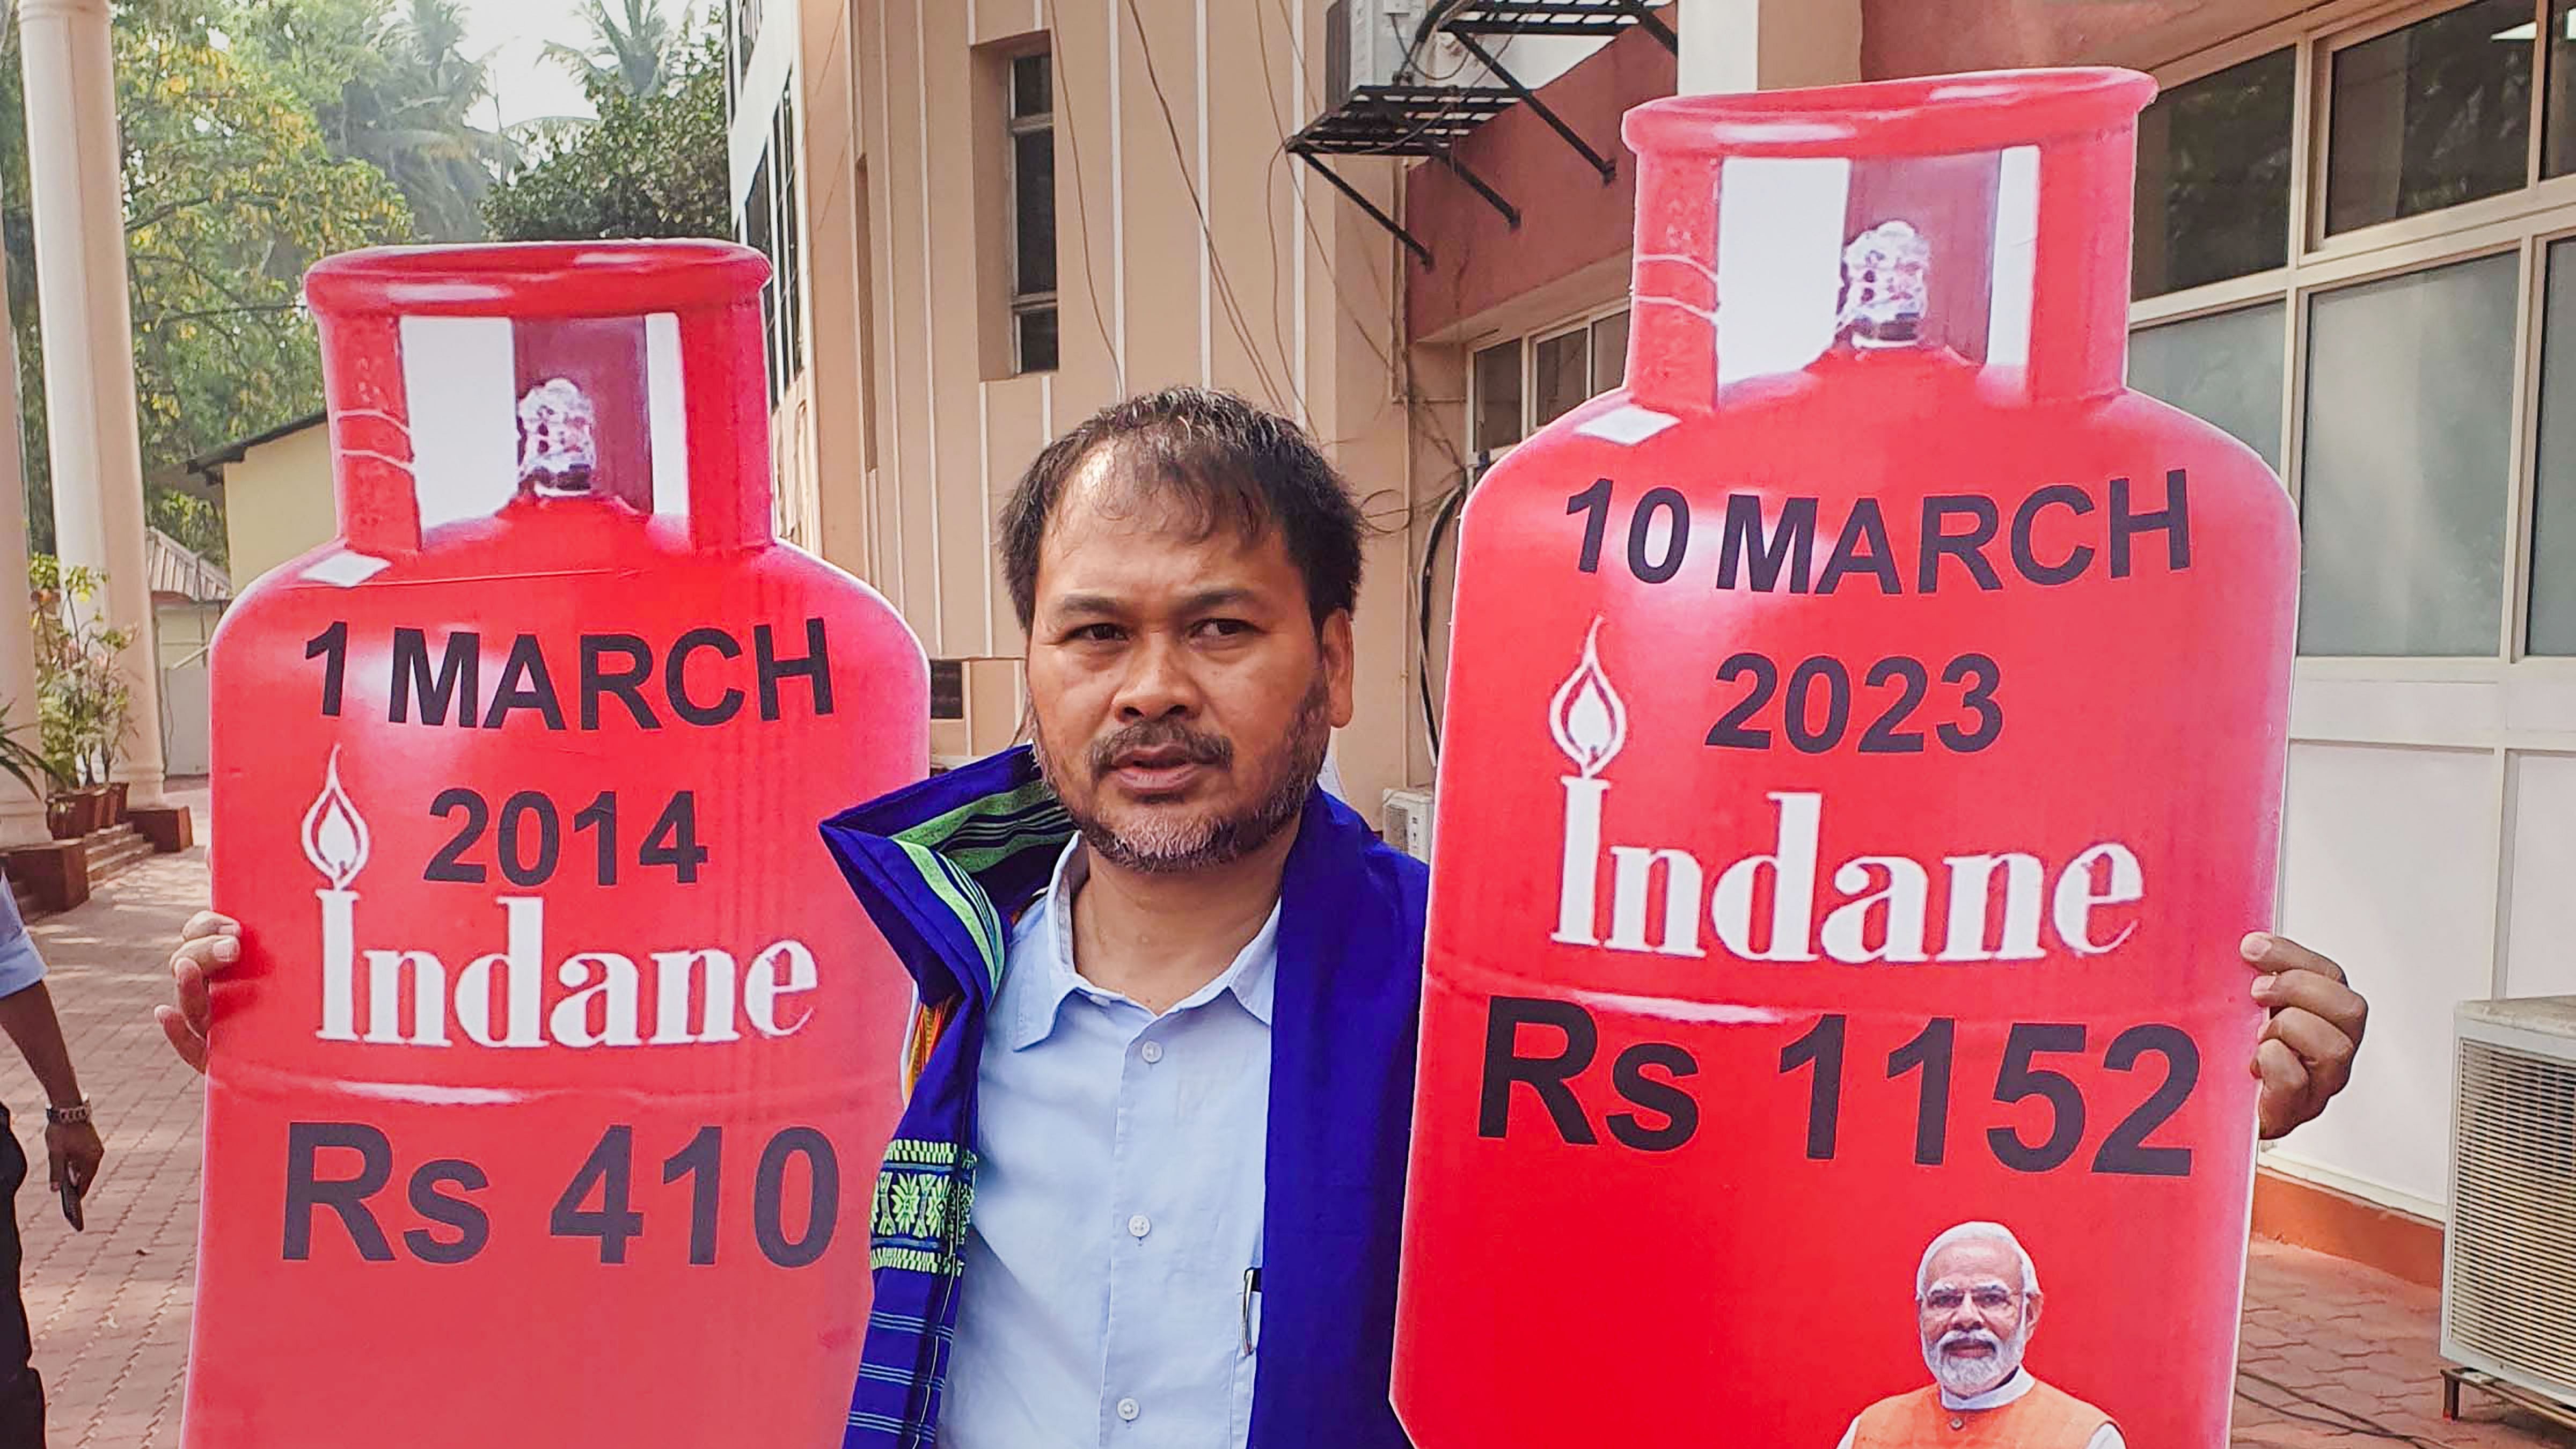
x=72 y=1206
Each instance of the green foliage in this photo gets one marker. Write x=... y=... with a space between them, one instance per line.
x=84 y=708
x=230 y=192
x=195 y=523
x=652 y=166
x=634 y=49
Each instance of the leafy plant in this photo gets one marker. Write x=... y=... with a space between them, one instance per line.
x=84 y=709
x=26 y=763
x=650 y=166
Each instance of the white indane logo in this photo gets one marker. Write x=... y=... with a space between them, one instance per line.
x=1885 y=907
x=510 y=997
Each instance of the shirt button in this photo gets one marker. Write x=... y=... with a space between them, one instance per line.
x=1151 y=1051
x=1137 y=1227
x=1128 y=1409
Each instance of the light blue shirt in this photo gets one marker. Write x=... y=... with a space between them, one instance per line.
x=20 y=966
x=1118 y=1199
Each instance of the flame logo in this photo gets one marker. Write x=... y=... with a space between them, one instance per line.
x=1587 y=716
x=335 y=835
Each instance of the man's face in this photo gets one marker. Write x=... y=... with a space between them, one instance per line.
x=1182 y=695
x=1974 y=1317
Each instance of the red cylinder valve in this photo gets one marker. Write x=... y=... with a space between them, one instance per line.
x=1866 y=753
x=546 y=1103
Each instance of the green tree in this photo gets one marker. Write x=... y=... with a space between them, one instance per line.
x=652 y=166
x=635 y=48
x=393 y=88
x=230 y=193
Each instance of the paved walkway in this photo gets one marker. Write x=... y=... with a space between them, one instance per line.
x=2334 y=1354
x=110 y=1305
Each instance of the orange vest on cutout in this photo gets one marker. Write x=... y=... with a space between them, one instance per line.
x=2044 y=1418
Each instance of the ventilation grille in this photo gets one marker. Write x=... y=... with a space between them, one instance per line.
x=2511 y=1289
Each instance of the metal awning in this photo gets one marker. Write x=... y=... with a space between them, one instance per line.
x=1556 y=17
x=1427 y=121
x=1404 y=120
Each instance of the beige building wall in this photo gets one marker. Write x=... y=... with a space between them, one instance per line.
x=278 y=502
x=1166 y=112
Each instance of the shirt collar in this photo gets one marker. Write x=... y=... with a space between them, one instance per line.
x=1995 y=1398
x=1045 y=941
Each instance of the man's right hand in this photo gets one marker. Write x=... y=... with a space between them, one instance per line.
x=208 y=943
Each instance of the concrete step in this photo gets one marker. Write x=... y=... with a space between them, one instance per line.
x=113 y=850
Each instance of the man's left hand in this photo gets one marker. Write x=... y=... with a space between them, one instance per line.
x=2306 y=1053
x=73 y=1150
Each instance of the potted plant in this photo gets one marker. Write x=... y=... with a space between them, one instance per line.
x=84 y=706
x=26 y=763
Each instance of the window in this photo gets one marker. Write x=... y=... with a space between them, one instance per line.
x=2431 y=115
x=2225 y=368
x=1497 y=383
x=1524 y=384
x=772 y=226
x=2408 y=475
x=2214 y=177
x=947 y=689
x=2419 y=398
x=790 y=231
x=1032 y=223
x=2553 y=521
x=2558 y=124
x=759 y=223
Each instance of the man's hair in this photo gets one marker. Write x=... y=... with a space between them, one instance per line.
x=1221 y=464
x=1977 y=1233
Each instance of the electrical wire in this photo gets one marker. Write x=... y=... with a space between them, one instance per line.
x=1447 y=513
x=1225 y=287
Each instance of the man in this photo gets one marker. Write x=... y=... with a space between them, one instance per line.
x=72 y=1155
x=1148 y=1187
x=1977 y=1301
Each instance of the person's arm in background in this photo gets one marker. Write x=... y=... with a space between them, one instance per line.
x=72 y=1149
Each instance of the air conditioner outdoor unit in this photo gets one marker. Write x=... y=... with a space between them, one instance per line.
x=1366 y=43
x=2509 y=1259
x=1406 y=822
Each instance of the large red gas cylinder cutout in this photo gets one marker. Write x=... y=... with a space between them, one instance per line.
x=1865 y=755
x=547 y=1102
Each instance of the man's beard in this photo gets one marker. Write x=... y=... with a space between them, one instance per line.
x=1158 y=844
x=1968 y=1377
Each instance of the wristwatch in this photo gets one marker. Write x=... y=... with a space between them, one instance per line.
x=77 y=1112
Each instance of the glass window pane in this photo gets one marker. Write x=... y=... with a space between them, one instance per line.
x=2214 y=177
x=1033 y=209
x=2406 y=475
x=2558 y=122
x=1498 y=396
x=1609 y=352
x=791 y=232
x=2553 y=522
x=1032 y=87
x=1564 y=374
x=2225 y=369
x=2430 y=116
x=1036 y=328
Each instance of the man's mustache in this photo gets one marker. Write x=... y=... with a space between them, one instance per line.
x=1970 y=1338
x=1161 y=736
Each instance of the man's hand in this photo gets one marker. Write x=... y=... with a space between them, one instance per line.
x=2306 y=1053
x=72 y=1151
x=208 y=943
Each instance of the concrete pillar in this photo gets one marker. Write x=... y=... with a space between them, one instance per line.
x=22 y=815
x=1759 y=45
x=74 y=177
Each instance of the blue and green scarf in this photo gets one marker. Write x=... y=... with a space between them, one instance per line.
x=943 y=868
